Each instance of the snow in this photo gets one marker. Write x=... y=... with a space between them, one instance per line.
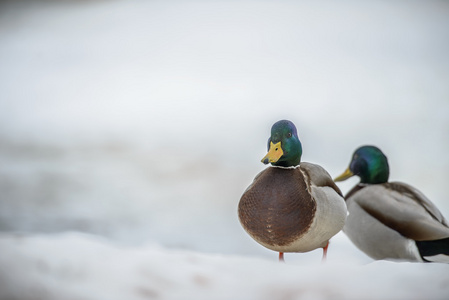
x=130 y=129
x=99 y=269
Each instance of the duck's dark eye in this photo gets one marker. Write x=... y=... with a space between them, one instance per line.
x=289 y=134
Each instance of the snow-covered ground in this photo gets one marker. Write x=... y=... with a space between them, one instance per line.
x=75 y=266
x=129 y=130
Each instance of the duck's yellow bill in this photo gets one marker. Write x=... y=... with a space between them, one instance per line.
x=346 y=174
x=274 y=153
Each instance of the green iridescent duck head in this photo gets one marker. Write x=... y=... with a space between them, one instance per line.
x=284 y=147
x=370 y=164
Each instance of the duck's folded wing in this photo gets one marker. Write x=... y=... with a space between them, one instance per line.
x=399 y=207
x=419 y=198
x=318 y=176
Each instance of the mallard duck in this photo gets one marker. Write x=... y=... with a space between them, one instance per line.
x=291 y=206
x=391 y=220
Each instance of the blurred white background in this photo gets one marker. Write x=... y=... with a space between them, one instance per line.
x=144 y=121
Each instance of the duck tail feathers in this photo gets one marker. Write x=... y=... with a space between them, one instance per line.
x=434 y=251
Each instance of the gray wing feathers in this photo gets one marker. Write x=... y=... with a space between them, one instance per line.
x=319 y=176
x=404 y=209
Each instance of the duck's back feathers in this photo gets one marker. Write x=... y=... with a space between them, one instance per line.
x=403 y=209
x=419 y=198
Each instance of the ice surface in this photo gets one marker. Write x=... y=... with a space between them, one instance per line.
x=140 y=124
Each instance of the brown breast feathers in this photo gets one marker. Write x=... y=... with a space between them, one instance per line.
x=277 y=209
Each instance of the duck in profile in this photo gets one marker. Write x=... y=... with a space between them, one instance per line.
x=291 y=206
x=391 y=220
